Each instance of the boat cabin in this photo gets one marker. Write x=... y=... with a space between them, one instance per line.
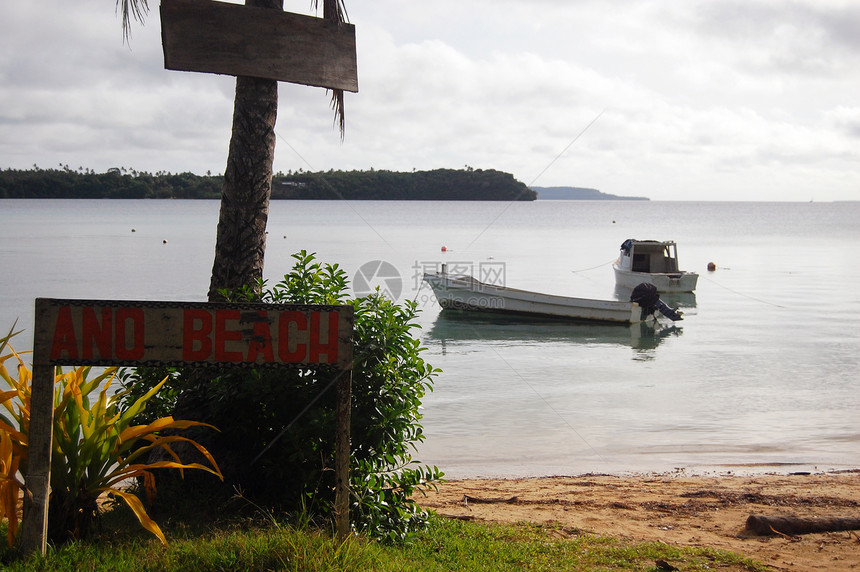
x=650 y=256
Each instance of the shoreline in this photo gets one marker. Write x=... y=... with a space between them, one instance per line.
x=715 y=470
x=678 y=508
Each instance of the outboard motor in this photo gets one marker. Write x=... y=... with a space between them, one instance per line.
x=646 y=296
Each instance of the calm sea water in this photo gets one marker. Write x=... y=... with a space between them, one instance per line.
x=761 y=375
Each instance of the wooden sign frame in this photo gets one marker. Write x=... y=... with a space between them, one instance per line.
x=188 y=334
x=233 y=39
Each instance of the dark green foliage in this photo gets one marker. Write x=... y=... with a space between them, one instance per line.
x=439 y=185
x=277 y=427
x=121 y=183
x=66 y=183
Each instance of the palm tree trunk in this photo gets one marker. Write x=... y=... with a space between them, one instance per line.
x=241 y=237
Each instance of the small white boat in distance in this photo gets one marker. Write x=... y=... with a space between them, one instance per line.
x=653 y=262
x=463 y=292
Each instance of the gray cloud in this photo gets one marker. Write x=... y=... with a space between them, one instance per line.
x=700 y=100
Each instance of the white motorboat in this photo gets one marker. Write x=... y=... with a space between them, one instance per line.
x=464 y=292
x=653 y=262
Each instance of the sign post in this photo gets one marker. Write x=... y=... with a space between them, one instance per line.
x=183 y=334
x=34 y=525
x=232 y=39
x=341 y=456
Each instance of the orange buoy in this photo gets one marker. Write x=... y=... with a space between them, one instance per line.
x=444 y=249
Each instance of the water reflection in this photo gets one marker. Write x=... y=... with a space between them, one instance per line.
x=455 y=326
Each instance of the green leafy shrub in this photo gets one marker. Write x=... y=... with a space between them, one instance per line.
x=277 y=436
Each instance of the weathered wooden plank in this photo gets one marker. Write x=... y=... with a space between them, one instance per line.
x=34 y=525
x=232 y=39
x=111 y=332
x=342 y=454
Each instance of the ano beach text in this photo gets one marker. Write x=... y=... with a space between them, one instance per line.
x=82 y=332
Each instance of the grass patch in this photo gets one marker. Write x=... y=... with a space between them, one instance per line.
x=476 y=546
x=265 y=544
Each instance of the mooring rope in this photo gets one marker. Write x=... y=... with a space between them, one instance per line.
x=594 y=267
x=733 y=291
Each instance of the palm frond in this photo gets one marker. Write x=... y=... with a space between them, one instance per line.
x=339 y=111
x=131 y=10
x=335 y=10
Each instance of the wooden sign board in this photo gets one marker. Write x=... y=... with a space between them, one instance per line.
x=232 y=39
x=91 y=332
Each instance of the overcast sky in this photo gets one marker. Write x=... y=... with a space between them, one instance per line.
x=692 y=100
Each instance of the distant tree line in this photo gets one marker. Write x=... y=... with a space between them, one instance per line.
x=116 y=183
x=437 y=185
x=121 y=183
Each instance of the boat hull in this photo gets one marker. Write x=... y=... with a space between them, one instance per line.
x=674 y=282
x=466 y=293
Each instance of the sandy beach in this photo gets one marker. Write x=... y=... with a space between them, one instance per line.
x=705 y=511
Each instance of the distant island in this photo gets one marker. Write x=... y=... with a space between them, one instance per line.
x=466 y=184
x=120 y=183
x=579 y=194
x=437 y=185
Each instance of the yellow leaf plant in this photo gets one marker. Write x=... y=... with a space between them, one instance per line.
x=95 y=449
